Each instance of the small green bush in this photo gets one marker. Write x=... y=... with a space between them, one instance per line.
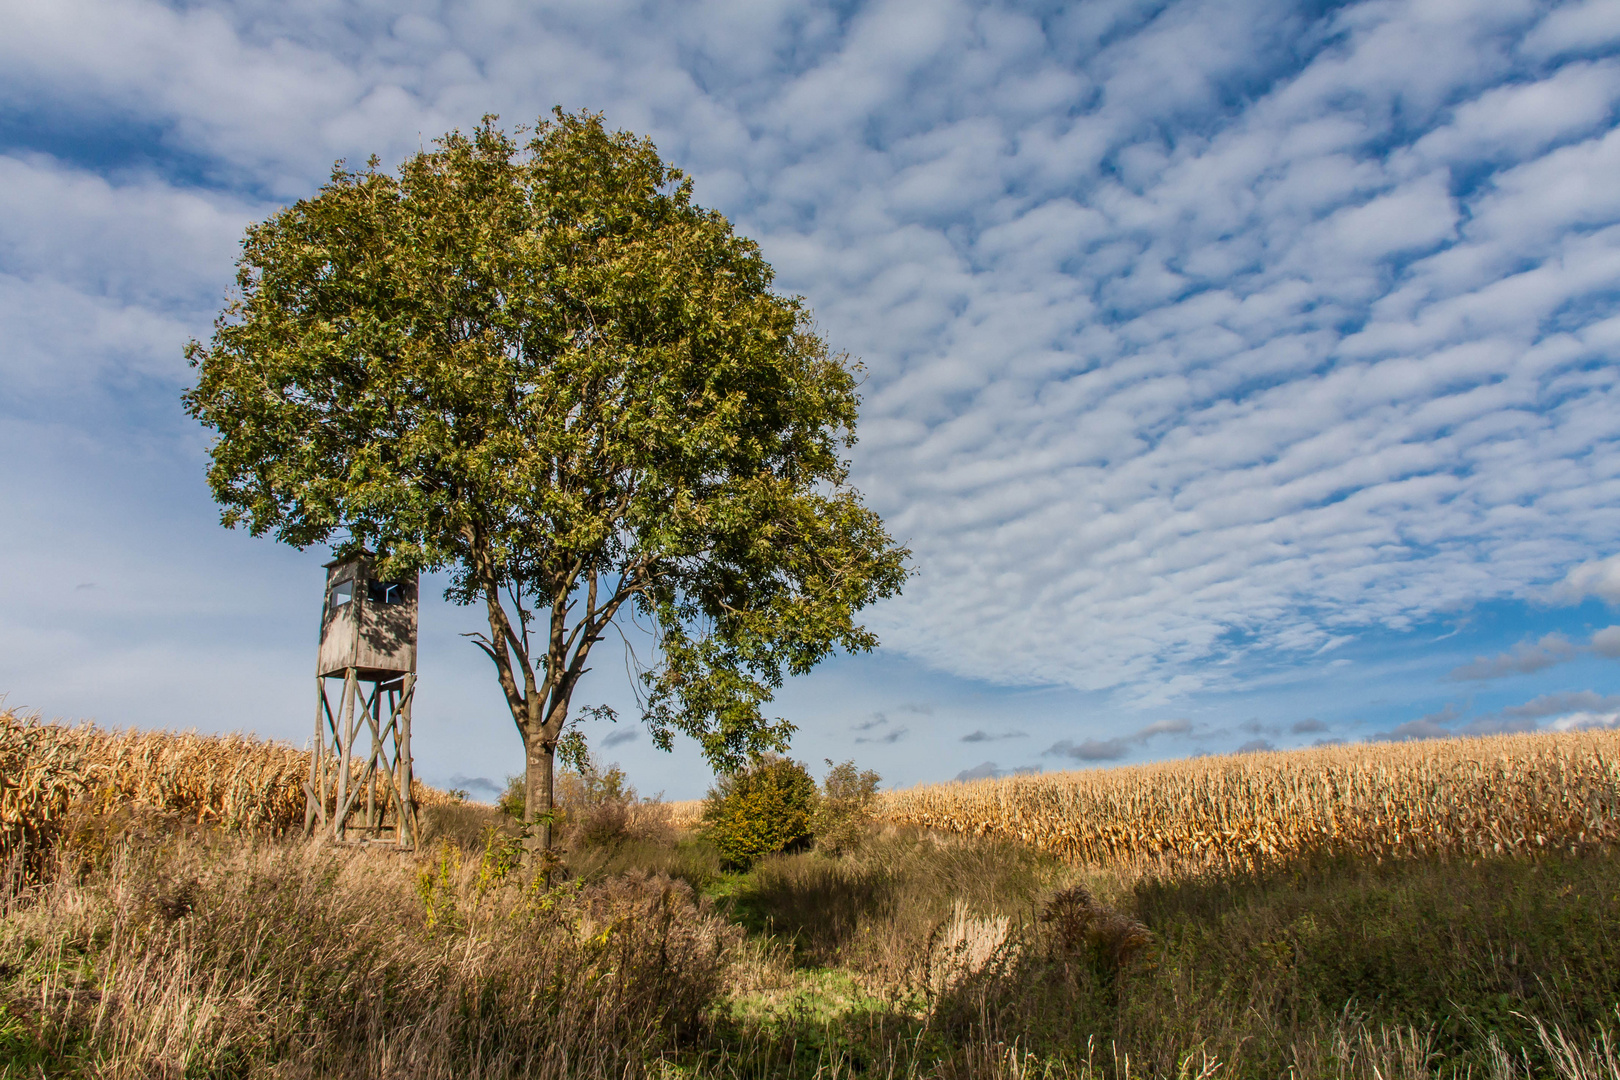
x=512 y=799
x=762 y=810
x=843 y=820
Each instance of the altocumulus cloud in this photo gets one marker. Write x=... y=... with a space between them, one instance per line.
x=1195 y=332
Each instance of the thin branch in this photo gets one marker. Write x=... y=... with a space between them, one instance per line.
x=483 y=643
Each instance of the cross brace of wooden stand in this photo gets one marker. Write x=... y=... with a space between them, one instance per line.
x=339 y=775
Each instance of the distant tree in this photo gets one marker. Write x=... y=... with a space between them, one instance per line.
x=547 y=371
x=846 y=810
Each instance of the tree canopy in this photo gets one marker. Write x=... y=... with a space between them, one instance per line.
x=545 y=370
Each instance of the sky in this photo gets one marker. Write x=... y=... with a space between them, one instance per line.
x=1241 y=373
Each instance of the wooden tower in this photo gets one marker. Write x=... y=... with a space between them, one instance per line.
x=368 y=639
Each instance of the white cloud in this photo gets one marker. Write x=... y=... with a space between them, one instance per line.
x=1197 y=333
x=1606 y=642
x=1563 y=711
x=1596 y=577
x=1585 y=721
x=1525 y=118
x=1579 y=28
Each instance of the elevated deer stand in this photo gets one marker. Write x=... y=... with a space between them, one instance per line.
x=368 y=639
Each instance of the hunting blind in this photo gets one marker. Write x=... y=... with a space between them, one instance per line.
x=368 y=639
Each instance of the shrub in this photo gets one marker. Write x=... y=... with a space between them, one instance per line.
x=843 y=819
x=762 y=810
x=511 y=801
x=596 y=808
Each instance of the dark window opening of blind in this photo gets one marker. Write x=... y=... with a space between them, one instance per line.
x=385 y=592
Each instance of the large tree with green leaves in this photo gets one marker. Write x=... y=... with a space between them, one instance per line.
x=545 y=370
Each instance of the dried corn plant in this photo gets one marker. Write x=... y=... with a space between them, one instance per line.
x=1457 y=797
x=686 y=813
x=41 y=775
x=230 y=780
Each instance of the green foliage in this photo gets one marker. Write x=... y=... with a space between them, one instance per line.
x=22 y=1052
x=436 y=888
x=844 y=815
x=511 y=801
x=547 y=371
x=500 y=856
x=760 y=810
x=1340 y=970
x=1463 y=949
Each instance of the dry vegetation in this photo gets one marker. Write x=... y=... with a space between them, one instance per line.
x=686 y=813
x=1509 y=794
x=234 y=781
x=229 y=780
x=174 y=929
x=202 y=955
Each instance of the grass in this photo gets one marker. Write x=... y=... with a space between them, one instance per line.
x=155 y=945
x=1326 y=969
x=207 y=954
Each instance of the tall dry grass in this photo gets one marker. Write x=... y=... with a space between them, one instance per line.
x=206 y=954
x=1456 y=797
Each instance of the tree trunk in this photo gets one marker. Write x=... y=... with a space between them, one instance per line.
x=538 y=776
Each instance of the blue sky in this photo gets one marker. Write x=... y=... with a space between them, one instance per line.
x=1242 y=373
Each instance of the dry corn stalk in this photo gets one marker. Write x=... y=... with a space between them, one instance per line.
x=686 y=813
x=232 y=780
x=1456 y=797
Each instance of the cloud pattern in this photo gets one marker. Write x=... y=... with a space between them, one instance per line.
x=1196 y=333
x=1525 y=659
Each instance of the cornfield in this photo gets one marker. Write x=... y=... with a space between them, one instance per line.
x=230 y=780
x=1458 y=797
x=686 y=813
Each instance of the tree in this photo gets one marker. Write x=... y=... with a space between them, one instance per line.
x=758 y=811
x=547 y=371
